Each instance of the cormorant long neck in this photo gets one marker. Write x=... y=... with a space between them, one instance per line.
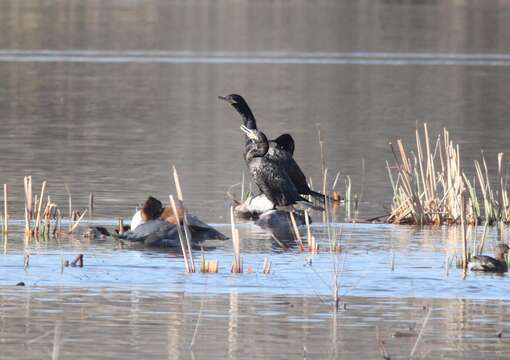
x=246 y=113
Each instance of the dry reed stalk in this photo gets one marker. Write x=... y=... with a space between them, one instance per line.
x=181 y=236
x=91 y=204
x=208 y=266
x=347 y=202
x=505 y=210
x=6 y=213
x=242 y=188
x=337 y=177
x=69 y=201
x=321 y=144
x=5 y=243
x=324 y=184
x=313 y=247
x=75 y=225
x=27 y=182
x=57 y=230
x=121 y=226
x=187 y=233
x=297 y=236
x=482 y=242
x=266 y=268
x=47 y=218
x=335 y=195
x=463 y=237
x=280 y=244
x=39 y=208
x=237 y=266
x=177 y=183
x=425 y=193
x=489 y=203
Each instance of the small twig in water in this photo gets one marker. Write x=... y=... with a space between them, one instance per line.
x=75 y=225
x=421 y=332
x=382 y=348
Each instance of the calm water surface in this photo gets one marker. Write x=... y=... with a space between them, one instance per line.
x=106 y=96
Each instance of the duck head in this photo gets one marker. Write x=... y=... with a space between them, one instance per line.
x=152 y=209
x=500 y=251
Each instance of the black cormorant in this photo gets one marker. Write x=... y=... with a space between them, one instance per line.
x=272 y=180
x=490 y=264
x=280 y=150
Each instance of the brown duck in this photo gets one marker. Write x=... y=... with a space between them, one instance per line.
x=491 y=264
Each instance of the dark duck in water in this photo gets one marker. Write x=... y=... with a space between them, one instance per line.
x=280 y=150
x=272 y=180
x=491 y=264
x=155 y=225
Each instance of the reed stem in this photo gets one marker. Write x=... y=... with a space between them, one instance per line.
x=297 y=236
x=181 y=236
x=6 y=213
x=75 y=225
x=187 y=233
x=39 y=208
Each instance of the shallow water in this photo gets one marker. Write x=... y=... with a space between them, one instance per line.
x=106 y=96
x=143 y=324
x=376 y=261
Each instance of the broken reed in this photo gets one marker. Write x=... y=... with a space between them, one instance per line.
x=297 y=236
x=6 y=213
x=313 y=247
x=184 y=217
x=266 y=267
x=430 y=186
x=210 y=266
x=187 y=263
x=237 y=264
x=45 y=220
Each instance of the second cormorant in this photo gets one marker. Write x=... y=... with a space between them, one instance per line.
x=271 y=179
x=280 y=150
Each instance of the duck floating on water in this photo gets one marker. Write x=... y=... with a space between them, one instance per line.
x=280 y=150
x=491 y=264
x=153 y=209
x=155 y=225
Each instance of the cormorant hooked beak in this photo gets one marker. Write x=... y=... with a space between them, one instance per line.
x=252 y=134
x=227 y=99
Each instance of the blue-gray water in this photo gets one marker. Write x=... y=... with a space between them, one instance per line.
x=106 y=96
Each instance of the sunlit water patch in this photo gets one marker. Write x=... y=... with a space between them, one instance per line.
x=376 y=260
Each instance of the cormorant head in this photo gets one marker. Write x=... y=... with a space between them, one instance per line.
x=233 y=99
x=152 y=209
x=238 y=102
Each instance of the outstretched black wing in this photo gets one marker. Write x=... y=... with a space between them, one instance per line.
x=286 y=142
